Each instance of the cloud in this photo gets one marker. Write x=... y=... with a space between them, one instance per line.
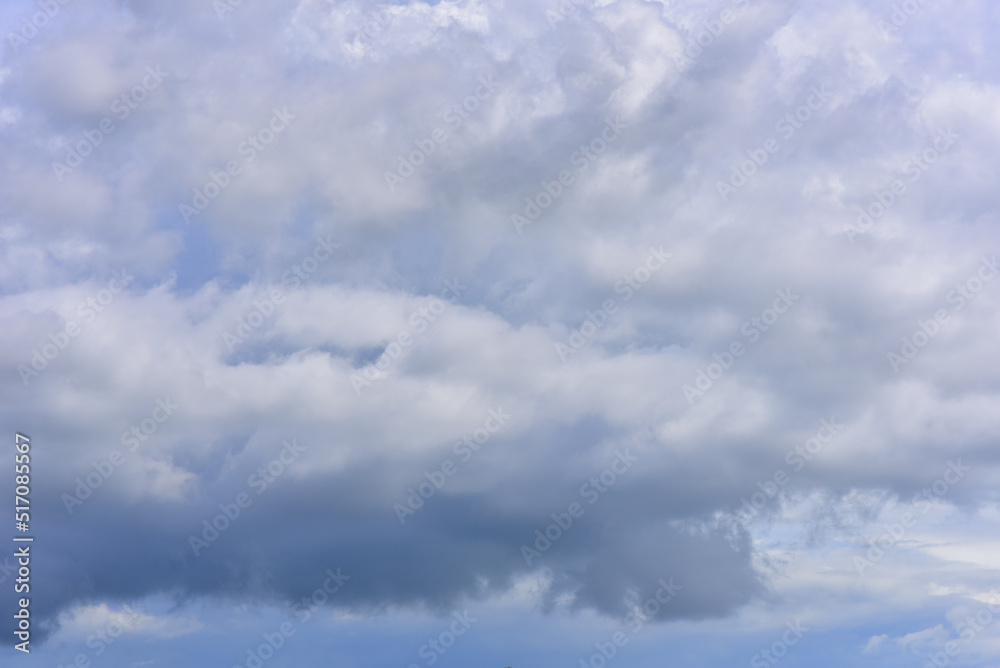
x=808 y=115
x=874 y=643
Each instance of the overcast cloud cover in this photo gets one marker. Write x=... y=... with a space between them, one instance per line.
x=528 y=322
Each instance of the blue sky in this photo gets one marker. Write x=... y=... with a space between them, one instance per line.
x=597 y=333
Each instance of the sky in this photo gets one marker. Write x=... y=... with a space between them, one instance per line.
x=502 y=332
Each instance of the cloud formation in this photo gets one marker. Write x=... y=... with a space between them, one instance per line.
x=691 y=232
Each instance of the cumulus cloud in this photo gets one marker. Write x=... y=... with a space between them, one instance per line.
x=269 y=235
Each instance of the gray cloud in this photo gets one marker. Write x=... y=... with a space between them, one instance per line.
x=361 y=103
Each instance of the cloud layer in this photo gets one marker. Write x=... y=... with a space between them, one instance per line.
x=696 y=233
